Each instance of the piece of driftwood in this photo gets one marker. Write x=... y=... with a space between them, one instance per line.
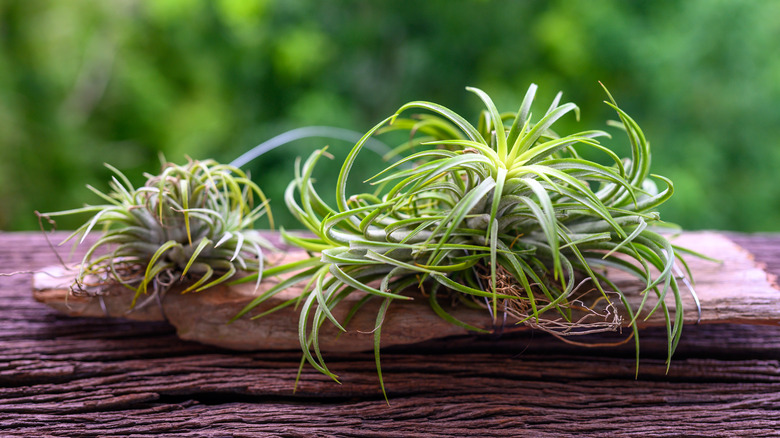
x=95 y=377
x=733 y=291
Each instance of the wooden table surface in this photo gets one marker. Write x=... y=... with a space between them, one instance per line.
x=81 y=377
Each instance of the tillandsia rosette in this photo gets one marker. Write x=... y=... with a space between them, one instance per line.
x=191 y=225
x=504 y=215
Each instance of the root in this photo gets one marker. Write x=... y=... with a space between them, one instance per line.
x=583 y=311
x=103 y=278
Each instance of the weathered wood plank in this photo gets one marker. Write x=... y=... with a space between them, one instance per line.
x=87 y=377
x=736 y=290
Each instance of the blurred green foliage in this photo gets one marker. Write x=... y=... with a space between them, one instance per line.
x=86 y=82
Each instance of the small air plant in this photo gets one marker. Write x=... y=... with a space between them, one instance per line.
x=504 y=216
x=189 y=225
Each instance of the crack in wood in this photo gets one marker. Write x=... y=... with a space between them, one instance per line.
x=91 y=378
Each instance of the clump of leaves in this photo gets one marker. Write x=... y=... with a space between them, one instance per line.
x=505 y=215
x=191 y=224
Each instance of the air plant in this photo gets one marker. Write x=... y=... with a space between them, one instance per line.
x=189 y=225
x=504 y=215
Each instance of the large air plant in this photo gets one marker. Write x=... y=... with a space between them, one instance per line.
x=505 y=215
x=190 y=225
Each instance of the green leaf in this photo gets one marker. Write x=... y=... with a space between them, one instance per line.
x=202 y=245
x=495 y=118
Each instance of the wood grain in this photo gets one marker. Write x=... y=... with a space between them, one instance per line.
x=89 y=377
x=735 y=290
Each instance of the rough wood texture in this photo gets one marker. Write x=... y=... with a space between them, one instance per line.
x=85 y=377
x=202 y=316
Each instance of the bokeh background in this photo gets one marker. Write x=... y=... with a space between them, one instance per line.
x=118 y=81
